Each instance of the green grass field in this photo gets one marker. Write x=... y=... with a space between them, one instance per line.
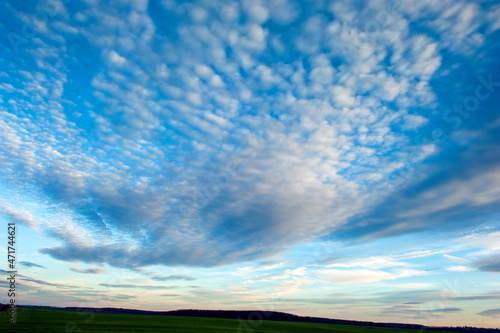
x=53 y=321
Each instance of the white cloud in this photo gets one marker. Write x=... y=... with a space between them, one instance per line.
x=194 y=98
x=342 y=96
x=413 y=286
x=493 y=16
x=371 y=262
x=458 y=269
x=204 y=71
x=455 y=259
x=256 y=10
x=412 y=122
x=284 y=11
x=116 y=59
x=198 y=14
x=488 y=241
x=366 y=275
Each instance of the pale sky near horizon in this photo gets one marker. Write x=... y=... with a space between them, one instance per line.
x=323 y=158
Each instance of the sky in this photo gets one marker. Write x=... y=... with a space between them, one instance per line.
x=322 y=158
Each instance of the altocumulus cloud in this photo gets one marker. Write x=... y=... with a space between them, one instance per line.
x=206 y=133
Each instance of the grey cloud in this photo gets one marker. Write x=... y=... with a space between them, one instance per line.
x=135 y=286
x=417 y=313
x=173 y=277
x=88 y=270
x=42 y=282
x=408 y=296
x=486 y=296
x=495 y=313
x=488 y=264
x=96 y=294
x=418 y=297
x=445 y=310
x=30 y=264
x=332 y=301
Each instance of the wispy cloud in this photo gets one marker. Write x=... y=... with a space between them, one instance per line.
x=366 y=275
x=30 y=280
x=135 y=286
x=173 y=277
x=88 y=270
x=458 y=269
x=495 y=313
x=30 y=264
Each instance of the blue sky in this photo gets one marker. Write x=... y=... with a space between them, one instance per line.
x=325 y=158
